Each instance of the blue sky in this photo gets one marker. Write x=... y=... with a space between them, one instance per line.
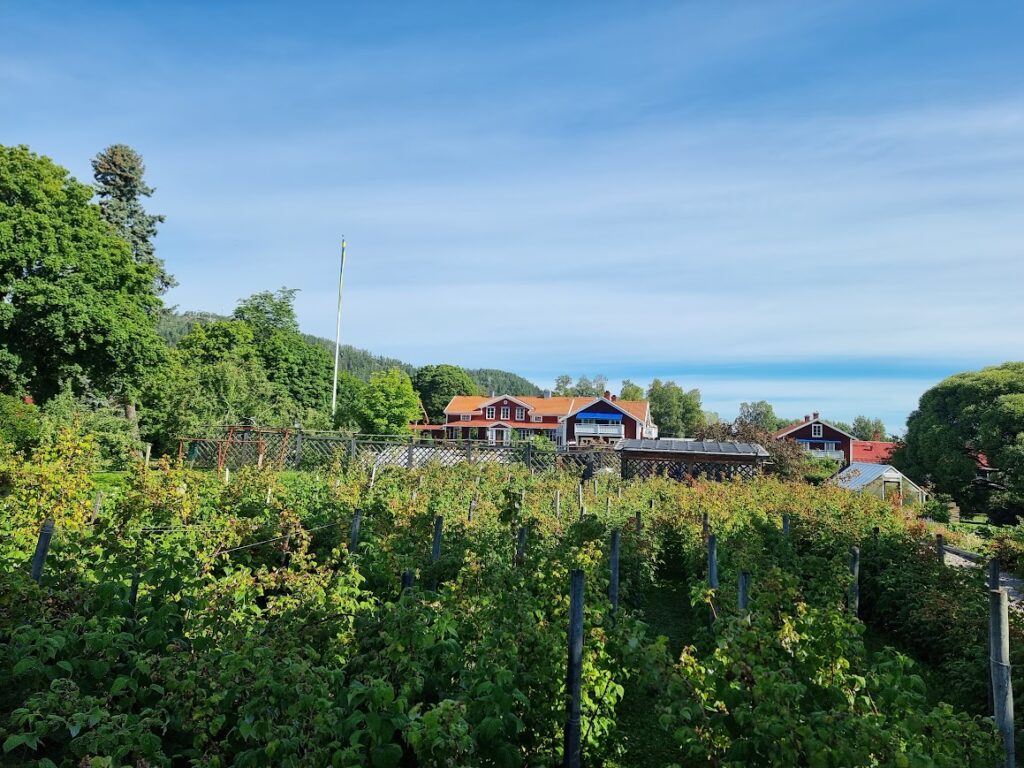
x=820 y=204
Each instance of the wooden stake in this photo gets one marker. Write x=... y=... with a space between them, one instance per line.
x=853 y=594
x=613 y=584
x=1002 y=688
x=353 y=540
x=42 y=547
x=744 y=589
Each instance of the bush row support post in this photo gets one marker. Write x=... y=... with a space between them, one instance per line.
x=574 y=676
x=744 y=589
x=42 y=547
x=853 y=594
x=1002 y=689
x=613 y=583
x=353 y=539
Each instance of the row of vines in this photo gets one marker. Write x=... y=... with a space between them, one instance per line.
x=257 y=635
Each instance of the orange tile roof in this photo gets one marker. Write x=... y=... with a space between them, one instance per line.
x=545 y=406
x=872 y=451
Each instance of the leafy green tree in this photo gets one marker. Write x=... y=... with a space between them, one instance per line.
x=630 y=391
x=676 y=412
x=19 y=423
x=351 y=391
x=389 y=404
x=120 y=185
x=563 y=386
x=759 y=414
x=436 y=385
x=864 y=428
x=971 y=413
x=76 y=308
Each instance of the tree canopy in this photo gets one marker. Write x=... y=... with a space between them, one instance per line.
x=437 y=385
x=76 y=309
x=677 y=412
x=389 y=404
x=631 y=391
x=964 y=416
x=120 y=185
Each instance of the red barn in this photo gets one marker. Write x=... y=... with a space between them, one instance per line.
x=567 y=421
x=820 y=439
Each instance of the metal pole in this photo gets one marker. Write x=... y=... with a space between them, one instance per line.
x=713 y=561
x=613 y=584
x=521 y=545
x=357 y=521
x=558 y=505
x=785 y=523
x=435 y=550
x=42 y=547
x=853 y=594
x=133 y=591
x=337 y=331
x=1002 y=689
x=744 y=589
x=574 y=674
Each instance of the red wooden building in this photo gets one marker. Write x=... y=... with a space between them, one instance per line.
x=820 y=439
x=567 y=421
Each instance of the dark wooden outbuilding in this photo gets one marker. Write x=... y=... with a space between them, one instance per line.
x=690 y=459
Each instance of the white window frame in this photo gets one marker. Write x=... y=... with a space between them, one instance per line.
x=817 y=430
x=505 y=411
x=520 y=414
x=465 y=417
x=489 y=412
x=538 y=419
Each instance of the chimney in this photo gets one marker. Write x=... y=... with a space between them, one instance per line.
x=615 y=398
x=607 y=395
x=876 y=435
x=806 y=417
x=816 y=414
x=547 y=394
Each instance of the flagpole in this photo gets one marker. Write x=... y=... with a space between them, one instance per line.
x=337 y=330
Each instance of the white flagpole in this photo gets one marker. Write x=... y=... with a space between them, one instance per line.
x=337 y=331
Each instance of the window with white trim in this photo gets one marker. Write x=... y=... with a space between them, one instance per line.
x=465 y=417
x=489 y=413
x=816 y=430
x=538 y=419
x=505 y=411
x=520 y=414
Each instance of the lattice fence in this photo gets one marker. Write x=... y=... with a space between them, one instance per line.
x=680 y=469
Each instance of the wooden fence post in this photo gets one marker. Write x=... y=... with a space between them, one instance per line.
x=744 y=589
x=579 y=495
x=705 y=527
x=298 y=446
x=472 y=506
x=149 y=452
x=574 y=672
x=999 y=655
x=613 y=584
x=97 y=506
x=351 y=449
x=270 y=490
x=583 y=513
x=407 y=580
x=785 y=523
x=639 y=521
x=42 y=547
x=853 y=594
x=940 y=548
x=874 y=534
x=469 y=451
x=993 y=574
x=608 y=508
x=558 y=505
x=410 y=457
x=595 y=487
x=353 y=539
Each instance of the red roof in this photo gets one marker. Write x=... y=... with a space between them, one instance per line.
x=546 y=406
x=872 y=451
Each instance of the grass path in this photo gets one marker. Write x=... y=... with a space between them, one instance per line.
x=667 y=612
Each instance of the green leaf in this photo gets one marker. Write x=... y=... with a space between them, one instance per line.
x=386 y=756
x=66 y=666
x=13 y=742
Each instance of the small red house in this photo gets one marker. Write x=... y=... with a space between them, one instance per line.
x=820 y=439
x=567 y=421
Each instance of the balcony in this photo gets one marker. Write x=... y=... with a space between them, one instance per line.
x=820 y=454
x=605 y=431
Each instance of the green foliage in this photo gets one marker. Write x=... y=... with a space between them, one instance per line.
x=817 y=471
x=20 y=423
x=501 y=382
x=436 y=385
x=960 y=417
x=676 y=412
x=584 y=386
x=759 y=415
x=116 y=444
x=631 y=391
x=389 y=404
x=865 y=428
x=78 y=307
x=119 y=173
